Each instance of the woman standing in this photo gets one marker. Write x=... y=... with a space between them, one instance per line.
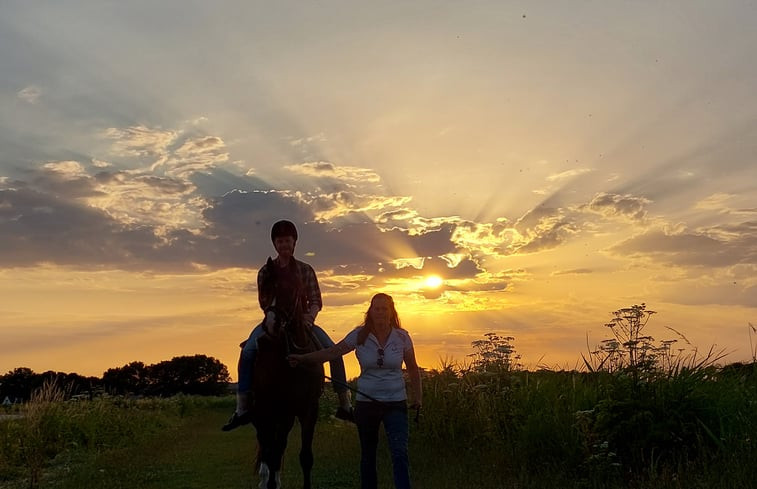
x=381 y=346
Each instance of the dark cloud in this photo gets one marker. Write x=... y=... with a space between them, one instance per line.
x=544 y=228
x=716 y=247
x=361 y=245
x=547 y=240
x=437 y=266
x=497 y=283
x=165 y=185
x=64 y=185
x=40 y=228
x=628 y=206
x=217 y=182
x=536 y=218
x=322 y=166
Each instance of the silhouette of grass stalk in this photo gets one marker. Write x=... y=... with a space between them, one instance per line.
x=40 y=431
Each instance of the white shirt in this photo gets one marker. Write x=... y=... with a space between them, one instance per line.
x=382 y=382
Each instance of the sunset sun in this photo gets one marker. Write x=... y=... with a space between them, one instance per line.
x=433 y=281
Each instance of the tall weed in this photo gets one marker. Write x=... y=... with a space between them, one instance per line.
x=601 y=429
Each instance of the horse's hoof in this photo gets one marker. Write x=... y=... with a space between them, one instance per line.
x=265 y=474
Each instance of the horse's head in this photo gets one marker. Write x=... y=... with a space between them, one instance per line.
x=288 y=331
x=276 y=323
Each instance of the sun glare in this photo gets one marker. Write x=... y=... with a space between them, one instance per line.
x=433 y=281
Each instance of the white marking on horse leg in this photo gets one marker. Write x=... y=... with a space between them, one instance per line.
x=264 y=472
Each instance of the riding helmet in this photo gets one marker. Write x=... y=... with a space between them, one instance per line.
x=283 y=228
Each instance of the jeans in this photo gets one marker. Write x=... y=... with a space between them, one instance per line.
x=250 y=351
x=368 y=417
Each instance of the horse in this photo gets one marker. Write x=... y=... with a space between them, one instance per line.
x=283 y=393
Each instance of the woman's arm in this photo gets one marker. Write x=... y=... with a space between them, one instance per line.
x=320 y=356
x=414 y=372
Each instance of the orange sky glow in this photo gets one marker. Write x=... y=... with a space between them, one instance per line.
x=510 y=168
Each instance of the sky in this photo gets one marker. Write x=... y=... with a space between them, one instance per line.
x=548 y=162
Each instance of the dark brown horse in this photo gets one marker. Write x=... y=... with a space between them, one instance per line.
x=283 y=393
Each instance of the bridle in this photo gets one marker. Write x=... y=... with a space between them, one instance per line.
x=282 y=330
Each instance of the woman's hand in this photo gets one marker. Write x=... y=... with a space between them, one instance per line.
x=294 y=359
x=416 y=406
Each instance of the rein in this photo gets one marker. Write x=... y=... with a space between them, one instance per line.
x=417 y=417
x=344 y=384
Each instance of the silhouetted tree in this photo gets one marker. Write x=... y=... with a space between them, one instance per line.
x=132 y=378
x=198 y=374
x=22 y=382
x=19 y=383
x=71 y=383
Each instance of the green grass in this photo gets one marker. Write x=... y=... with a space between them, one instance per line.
x=519 y=429
x=192 y=454
x=188 y=450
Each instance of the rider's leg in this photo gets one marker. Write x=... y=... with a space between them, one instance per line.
x=245 y=368
x=338 y=376
x=247 y=359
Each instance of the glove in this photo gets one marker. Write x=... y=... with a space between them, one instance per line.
x=270 y=320
x=308 y=319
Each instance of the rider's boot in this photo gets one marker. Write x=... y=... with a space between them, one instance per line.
x=242 y=415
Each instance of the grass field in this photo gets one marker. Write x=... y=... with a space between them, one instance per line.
x=189 y=450
x=692 y=428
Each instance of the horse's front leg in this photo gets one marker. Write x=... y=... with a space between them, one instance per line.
x=307 y=426
x=274 y=449
x=268 y=460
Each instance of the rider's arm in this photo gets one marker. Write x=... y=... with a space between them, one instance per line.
x=311 y=314
x=312 y=293
x=265 y=290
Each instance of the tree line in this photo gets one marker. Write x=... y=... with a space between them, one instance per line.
x=196 y=375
